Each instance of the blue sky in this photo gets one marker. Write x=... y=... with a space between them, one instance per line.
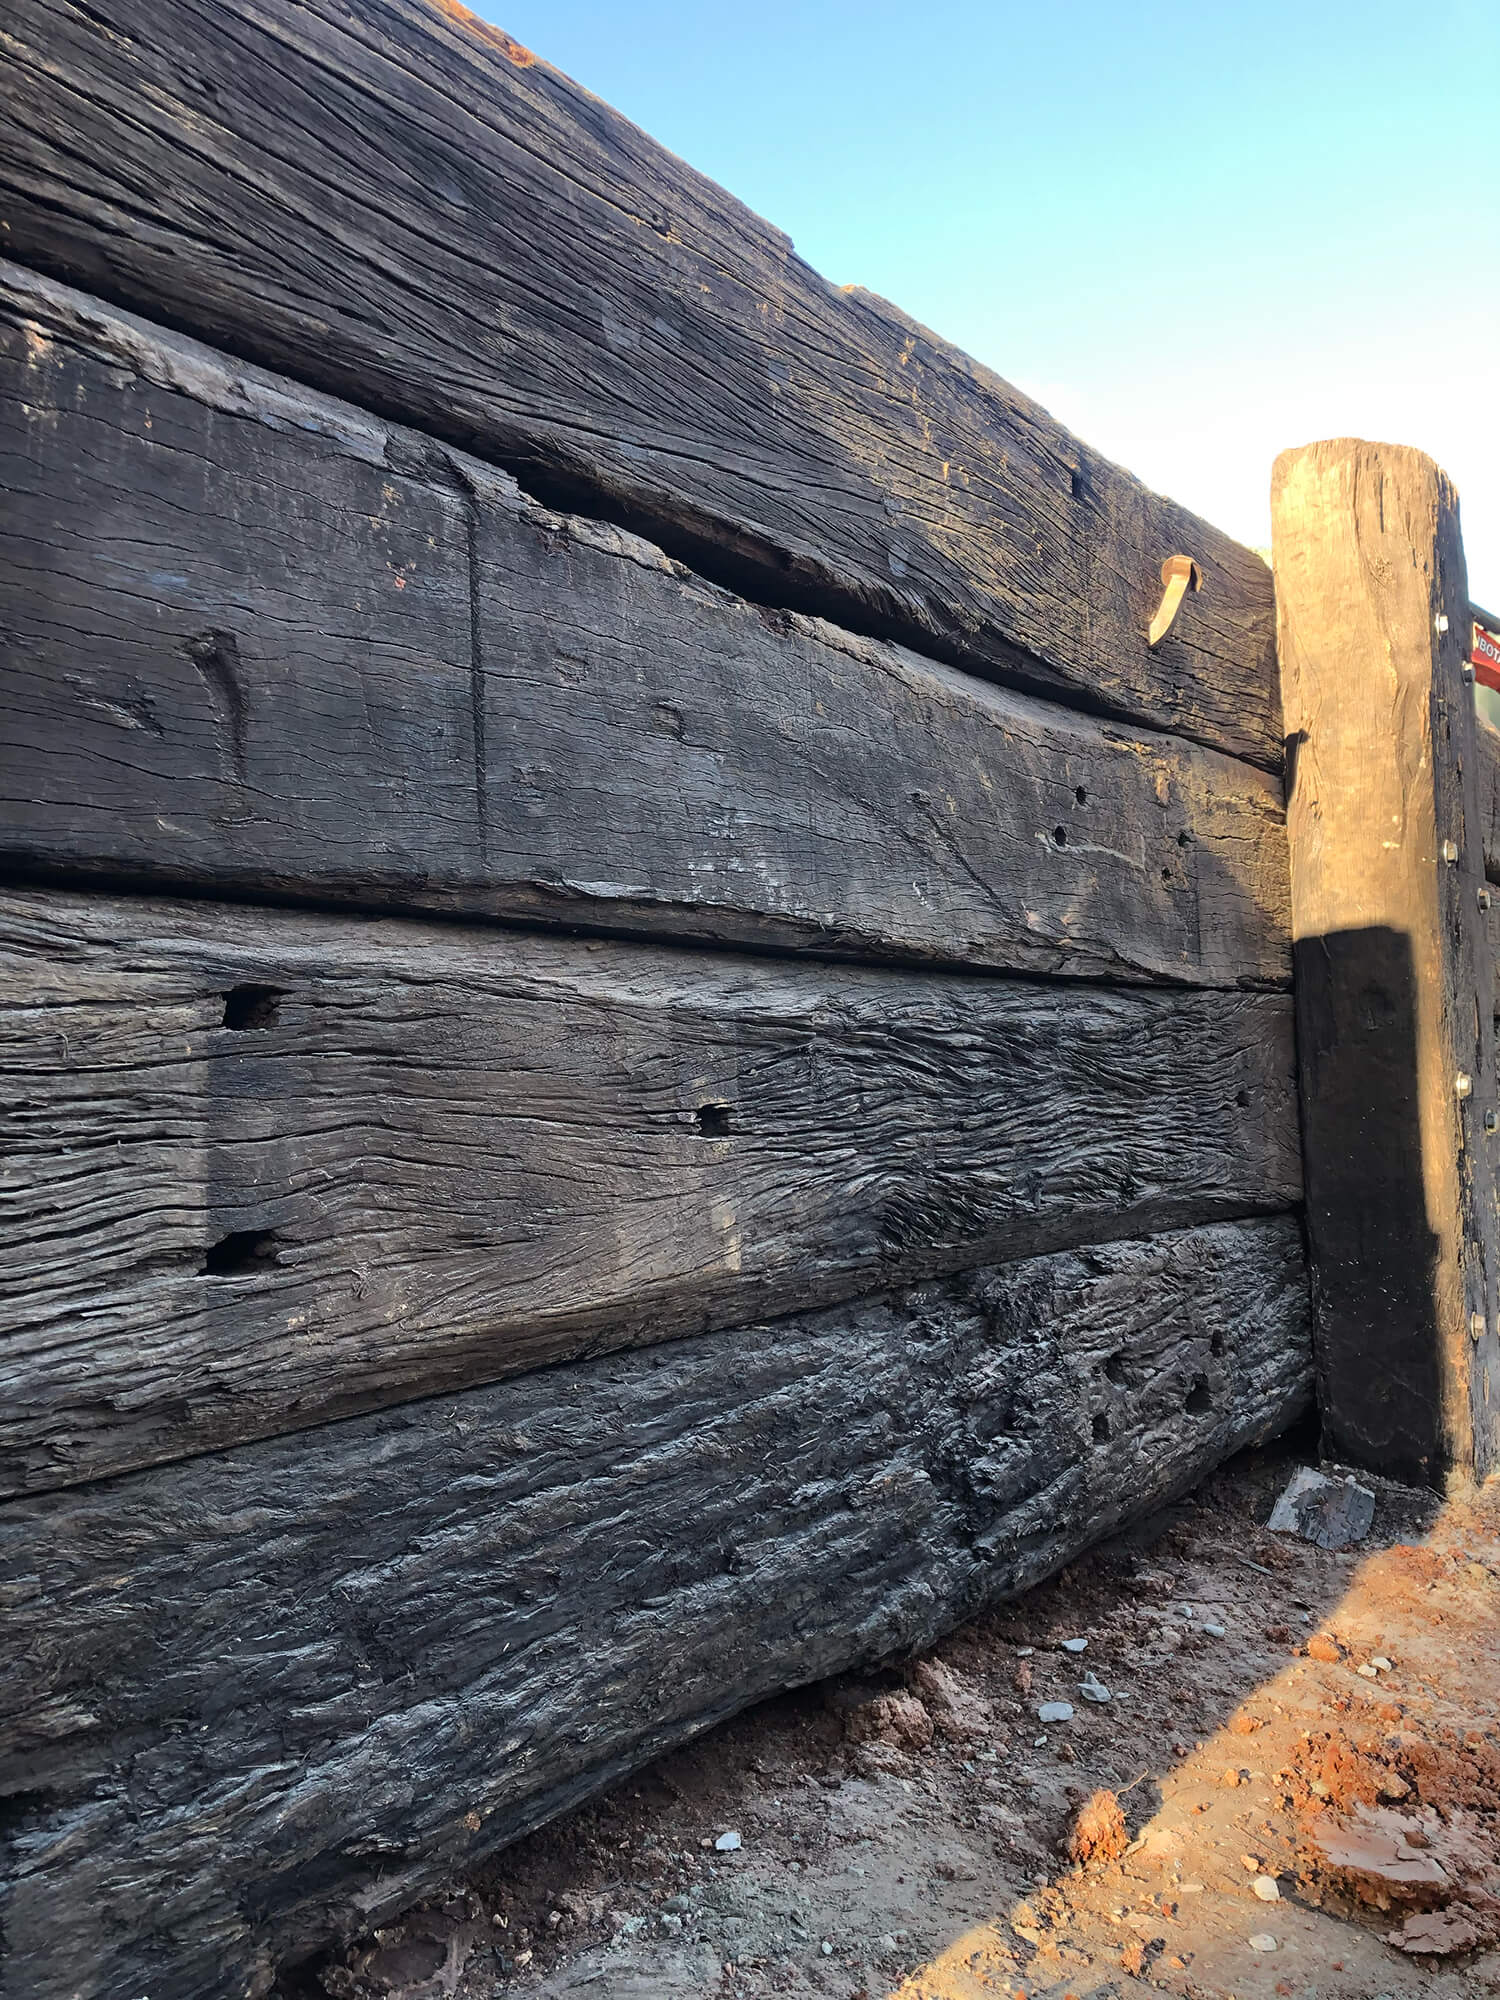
x=1197 y=234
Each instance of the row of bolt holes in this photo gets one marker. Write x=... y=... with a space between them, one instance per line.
x=260 y=1007
x=1060 y=833
x=245 y=1250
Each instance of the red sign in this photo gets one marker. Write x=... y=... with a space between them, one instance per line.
x=1485 y=657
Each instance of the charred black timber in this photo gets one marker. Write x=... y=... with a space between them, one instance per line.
x=396 y=203
x=275 y=1167
x=272 y=1695
x=259 y=642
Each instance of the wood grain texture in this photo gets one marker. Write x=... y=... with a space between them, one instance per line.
x=1487 y=777
x=269 y=1168
x=275 y=1694
x=259 y=641
x=390 y=203
x=1394 y=975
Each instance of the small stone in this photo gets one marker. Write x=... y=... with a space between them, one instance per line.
x=1093 y=1689
x=1323 y=1646
x=1215 y=1631
x=672 y=1925
x=1380 y=1663
x=826 y=1948
x=1265 y=1887
x=1075 y=1645
x=1368 y=1672
x=1331 y=1513
x=727 y=1843
x=1024 y=1652
x=523 y=1957
x=1055 y=1711
x=1262 y=1941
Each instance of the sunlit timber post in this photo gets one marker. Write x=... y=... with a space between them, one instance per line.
x=1393 y=966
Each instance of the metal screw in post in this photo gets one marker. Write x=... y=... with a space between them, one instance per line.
x=1440 y=623
x=1463 y=1083
x=1484 y=899
x=1476 y=1326
x=1492 y=1121
x=1450 y=851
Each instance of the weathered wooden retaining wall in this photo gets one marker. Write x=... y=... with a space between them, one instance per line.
x=647 y=1050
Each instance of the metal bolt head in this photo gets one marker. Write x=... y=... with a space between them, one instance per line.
x=1476 y=1326
x=1467 y=670
x=1484 y=899
x=1463 y=1083
x=1450 y=851
x=1441 y=621
x=1492 y=1121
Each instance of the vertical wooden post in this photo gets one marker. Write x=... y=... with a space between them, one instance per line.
x=1394 y=974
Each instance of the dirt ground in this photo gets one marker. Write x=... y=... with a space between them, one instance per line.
x=1301 y=1750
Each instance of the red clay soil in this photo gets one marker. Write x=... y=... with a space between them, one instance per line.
x=1292 y=1789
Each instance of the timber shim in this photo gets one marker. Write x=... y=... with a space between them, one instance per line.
x=632 y=1001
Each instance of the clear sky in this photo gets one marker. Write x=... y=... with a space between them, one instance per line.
x=1197 y=234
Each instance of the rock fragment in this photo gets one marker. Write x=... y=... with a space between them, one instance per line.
x=1098 y=1832
x=1438 y=1931
x=1332 y=1513
x=957 y=1709
x=897 y=1719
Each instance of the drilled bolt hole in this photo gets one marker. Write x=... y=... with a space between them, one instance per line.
x=1199 y=1398
x=252 y=1006
x=713 y=1121
x=241 y=1251
x=1101 y=1429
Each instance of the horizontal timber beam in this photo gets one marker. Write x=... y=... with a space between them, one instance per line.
x=397 y=204
x=292 y=1687
x=276 y=1167
x=260 y=642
